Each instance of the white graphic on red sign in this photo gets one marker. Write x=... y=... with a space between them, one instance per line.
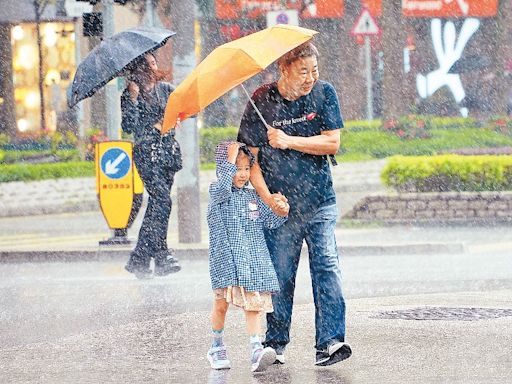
x=365 y=24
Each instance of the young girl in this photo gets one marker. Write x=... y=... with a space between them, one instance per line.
x=241 y=270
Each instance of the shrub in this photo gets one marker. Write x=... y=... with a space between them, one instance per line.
x=453 y=122
x=27 y=172
x=362 y=125
x=10 y=157
x=501 y=125
x=409 y=127
x=93 y=136
x=210 y=137
x=448 y=173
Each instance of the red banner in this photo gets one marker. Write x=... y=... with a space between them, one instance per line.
x=449 y=8
x=235 y=9
x=374 y=6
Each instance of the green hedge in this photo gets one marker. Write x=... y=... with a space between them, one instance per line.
x=448 y=173
x=380 y=144
x=13 y=156
x=27 y=172
x=210 y=137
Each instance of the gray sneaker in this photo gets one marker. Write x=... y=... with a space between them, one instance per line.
x=262 y=358
x=218 y=358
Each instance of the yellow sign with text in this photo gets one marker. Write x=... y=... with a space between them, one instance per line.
x=117 y=181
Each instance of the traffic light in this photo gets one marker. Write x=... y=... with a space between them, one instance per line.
x=92 y=24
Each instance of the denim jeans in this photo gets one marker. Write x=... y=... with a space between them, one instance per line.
x=158 y=180
x=285 y=245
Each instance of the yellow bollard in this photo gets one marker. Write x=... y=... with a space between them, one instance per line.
x=119 y=188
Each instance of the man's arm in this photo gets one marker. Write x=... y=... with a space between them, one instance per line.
x=327 y=143
x=274 y=201
x=257 y=180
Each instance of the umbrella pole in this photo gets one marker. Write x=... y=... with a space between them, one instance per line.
x=254 y=106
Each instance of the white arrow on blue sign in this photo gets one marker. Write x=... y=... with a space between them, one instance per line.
x=115 y=163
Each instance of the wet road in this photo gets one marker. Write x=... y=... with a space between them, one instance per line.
x=99 y=324
x=65 y=298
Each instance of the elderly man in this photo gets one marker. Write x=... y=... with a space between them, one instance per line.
x=303 y=129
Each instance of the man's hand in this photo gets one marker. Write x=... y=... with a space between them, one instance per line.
x=277 y=138
x=279 y=204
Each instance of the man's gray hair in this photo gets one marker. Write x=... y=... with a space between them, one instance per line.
x=306 y=49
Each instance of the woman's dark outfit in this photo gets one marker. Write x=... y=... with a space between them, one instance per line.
x=157 y=159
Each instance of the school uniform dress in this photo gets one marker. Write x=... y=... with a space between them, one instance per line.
x=241 y=269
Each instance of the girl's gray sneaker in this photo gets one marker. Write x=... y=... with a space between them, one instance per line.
x=262 y=358
x=218 y=358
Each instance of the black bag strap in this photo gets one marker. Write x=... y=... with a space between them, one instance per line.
x=319 y=100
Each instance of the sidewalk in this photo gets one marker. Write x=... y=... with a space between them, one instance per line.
x=352 y=180
x=61 y=220
x=75 y=236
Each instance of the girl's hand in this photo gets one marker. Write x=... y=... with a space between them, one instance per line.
x=279 y=204
x=233 y=149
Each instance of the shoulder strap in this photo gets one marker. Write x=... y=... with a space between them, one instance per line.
x=319 y=100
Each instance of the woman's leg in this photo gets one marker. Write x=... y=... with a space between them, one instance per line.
x=141 y=256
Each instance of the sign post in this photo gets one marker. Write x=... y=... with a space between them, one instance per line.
x=366 y=26
x=118 y=186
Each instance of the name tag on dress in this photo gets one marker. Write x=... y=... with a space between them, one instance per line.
x=253 y=210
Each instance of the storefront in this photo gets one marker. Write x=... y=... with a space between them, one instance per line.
x=57 y=68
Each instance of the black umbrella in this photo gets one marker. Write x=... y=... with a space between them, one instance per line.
x=111 y=57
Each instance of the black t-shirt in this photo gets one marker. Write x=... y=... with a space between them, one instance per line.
x=304 y=179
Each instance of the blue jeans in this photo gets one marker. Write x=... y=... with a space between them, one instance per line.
x=285 y=245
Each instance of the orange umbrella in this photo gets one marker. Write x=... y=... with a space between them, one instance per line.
x=229 y=65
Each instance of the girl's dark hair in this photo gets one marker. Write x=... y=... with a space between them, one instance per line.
x=245 y=149
x=306 y=49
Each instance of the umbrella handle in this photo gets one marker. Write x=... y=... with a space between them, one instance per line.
x=254 y=106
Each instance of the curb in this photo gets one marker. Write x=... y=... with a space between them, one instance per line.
x=111 y=254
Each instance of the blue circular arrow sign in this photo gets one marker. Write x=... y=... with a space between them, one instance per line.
x=115 y=163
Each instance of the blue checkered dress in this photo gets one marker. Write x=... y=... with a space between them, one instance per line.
x=238 y=254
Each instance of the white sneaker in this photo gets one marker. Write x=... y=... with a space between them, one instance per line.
x=218 y=358
x=262 y=358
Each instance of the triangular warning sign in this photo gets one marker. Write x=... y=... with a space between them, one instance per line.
x=365 y=24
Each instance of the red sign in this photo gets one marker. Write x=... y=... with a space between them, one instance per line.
x=374 y=6
x=235 y=9
x=365 y=25
x=449 y=8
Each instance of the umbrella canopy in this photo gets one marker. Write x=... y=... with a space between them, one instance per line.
x=229 y=65
x=112 y=56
